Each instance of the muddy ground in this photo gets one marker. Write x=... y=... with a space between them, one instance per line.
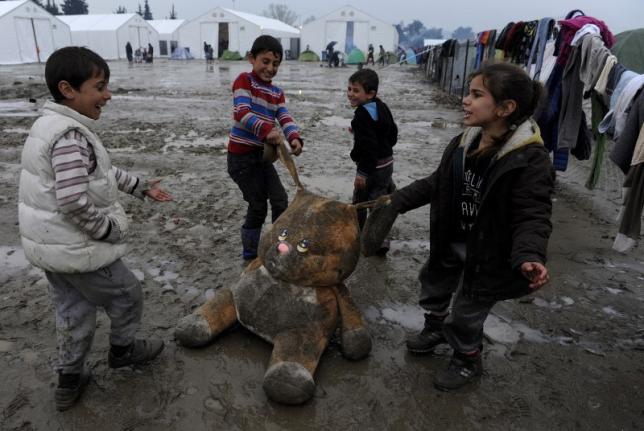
x=569 y=357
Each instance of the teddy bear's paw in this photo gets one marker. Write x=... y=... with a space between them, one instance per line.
x=193 y=331
x=356 y=343
x=289 y=383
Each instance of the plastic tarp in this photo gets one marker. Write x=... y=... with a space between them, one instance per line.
x=629 y=49
x=181 y=54
x=356 y=56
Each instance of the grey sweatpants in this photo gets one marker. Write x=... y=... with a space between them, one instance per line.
x=463 y=327
x=76 y=297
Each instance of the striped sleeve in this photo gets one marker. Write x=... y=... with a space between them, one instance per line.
x=72 y=159
x=242 y=110
x=287 y=122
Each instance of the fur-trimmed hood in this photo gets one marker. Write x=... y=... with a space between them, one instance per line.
x=527 y=133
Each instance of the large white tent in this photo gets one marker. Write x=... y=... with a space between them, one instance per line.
x=108 y=34
x=350 y=28
x=235 y=31
x=168 y=30
x=29 y=33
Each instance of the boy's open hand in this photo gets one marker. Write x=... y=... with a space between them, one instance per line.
x=359 y=183
x=156 y=192
x=536 y=273
x=296 y=147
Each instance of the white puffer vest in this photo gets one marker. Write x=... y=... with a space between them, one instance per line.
x=51 y=241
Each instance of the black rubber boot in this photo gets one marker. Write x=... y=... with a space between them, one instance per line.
x=70 y=387
x=250 y=242
x=429 y=337
x=139 y=353
x=462 y=369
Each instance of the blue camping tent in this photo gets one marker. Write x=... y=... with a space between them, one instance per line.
x=181 y=53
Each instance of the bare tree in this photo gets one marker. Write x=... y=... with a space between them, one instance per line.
x=173 y=13
x=308 y=20
x=280 y=12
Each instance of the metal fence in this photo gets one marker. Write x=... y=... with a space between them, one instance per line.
x=450 y=73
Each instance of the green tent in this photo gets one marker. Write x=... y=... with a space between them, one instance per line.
x=308 y=56
x=355 y=56
x=629 y=49
x=230 y=55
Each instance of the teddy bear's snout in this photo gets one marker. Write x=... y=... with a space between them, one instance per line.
x=283 y=248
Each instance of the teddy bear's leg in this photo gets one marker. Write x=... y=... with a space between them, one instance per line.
x=296 y=353
x=356 y=341
x=207 y=321
x=289 y=378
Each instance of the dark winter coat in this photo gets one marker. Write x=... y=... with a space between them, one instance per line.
x=372 y=140
x=513 y=223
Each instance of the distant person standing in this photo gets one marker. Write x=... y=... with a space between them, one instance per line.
x=370 y=55
x=128 y=52
x=150 y=53
x=383 y=55
x=205 y=50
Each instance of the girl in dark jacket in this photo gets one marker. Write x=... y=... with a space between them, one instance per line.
x=489 y=218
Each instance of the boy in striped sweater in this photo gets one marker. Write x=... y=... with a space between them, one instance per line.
x=72 y=225
x=258 y=105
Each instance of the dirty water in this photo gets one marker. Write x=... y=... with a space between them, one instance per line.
x=568 y=357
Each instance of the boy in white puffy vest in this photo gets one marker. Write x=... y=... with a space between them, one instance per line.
x=72 y=225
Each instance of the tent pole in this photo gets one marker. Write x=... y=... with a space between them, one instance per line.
x=33 y=28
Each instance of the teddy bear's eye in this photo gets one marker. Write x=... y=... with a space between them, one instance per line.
x=303 y=246
x=283 y=235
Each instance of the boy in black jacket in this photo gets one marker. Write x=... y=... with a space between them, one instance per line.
x=374 y=135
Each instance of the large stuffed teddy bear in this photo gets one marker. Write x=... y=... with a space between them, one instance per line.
x=293 y=295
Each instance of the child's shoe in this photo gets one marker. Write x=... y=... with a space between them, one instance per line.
x=462 y=369
x=138 y=353
x=429 y=337
x=70 y=387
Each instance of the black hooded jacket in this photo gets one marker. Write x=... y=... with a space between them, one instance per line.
x=513 y=222
x=372 y=140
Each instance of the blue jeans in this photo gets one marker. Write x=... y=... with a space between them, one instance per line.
x=259 y=183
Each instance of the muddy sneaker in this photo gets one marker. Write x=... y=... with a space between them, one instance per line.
x=428 y=338
x=461 y=370
x=70 y=387
x=139 y=353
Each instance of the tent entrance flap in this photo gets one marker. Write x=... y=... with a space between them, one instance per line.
x=44 y=38
x=26 y=41
x=348 y=47
x=224 y=38
x=135 y=36
x=208 y=32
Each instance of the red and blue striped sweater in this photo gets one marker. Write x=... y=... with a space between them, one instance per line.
x=257 y=104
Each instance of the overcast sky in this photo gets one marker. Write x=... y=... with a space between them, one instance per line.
x=481 y=15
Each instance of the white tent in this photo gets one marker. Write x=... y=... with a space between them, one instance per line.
x=29 y=33
x=168 y=30
x=107 y=34
x=350 y=28
x=235 y=31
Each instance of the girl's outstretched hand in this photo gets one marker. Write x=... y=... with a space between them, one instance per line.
x=156 y=192
x=536 y=272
